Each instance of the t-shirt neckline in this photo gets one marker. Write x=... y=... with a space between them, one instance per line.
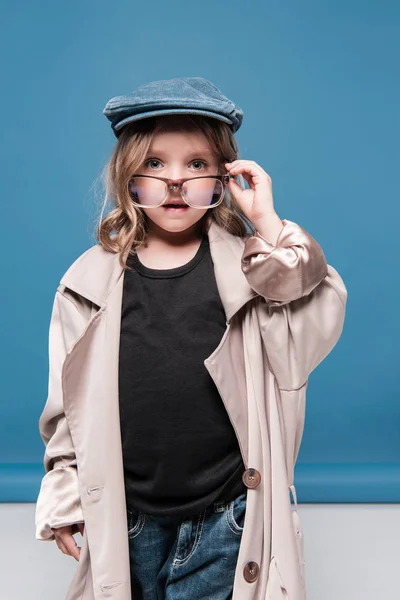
x=173 y=272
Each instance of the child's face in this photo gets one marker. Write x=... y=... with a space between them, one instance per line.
x=176 y=155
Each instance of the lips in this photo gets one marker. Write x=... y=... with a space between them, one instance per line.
x=175 y=206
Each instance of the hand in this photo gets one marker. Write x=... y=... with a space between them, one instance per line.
x=66 y=541
x=257 y=202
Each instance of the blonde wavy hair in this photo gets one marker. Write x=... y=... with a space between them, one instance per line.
x=125 y=226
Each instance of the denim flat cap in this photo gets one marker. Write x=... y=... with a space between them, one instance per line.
x=184 y=95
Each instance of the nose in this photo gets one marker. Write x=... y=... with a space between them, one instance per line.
x=173 y=189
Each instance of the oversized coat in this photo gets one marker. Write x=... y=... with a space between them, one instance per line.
x=285 y=309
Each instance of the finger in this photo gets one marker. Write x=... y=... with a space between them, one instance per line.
x=249 y=177
x=243 y=161
x=253 y=176
x=71 y=546
x=235 y=189
x=247 y=166
x=60 y=545
x=235 y=184
x=238 y=179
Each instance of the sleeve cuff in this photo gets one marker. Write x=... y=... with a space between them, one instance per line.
x=287 y=271
x=58 y=502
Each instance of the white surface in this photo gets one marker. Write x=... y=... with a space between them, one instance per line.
x=352 y=552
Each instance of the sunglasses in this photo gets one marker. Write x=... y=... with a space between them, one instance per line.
x=206 y=191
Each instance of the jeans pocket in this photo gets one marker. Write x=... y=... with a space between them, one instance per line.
x=236 y=512
x=135 y=522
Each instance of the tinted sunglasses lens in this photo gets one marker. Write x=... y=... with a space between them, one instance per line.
x=146 y=191
x=203 y=193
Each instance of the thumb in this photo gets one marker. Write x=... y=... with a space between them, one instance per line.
x=235 y=188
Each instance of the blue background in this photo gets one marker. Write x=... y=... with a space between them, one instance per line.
x=319 y=86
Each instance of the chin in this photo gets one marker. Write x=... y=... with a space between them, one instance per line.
x=177 y=224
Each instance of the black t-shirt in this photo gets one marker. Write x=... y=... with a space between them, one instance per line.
x=180 y=449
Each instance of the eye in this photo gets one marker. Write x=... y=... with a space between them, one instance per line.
x=198 y=161
x=151 y=160
x=155 y=160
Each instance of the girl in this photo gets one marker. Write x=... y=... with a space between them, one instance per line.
x=180 y=349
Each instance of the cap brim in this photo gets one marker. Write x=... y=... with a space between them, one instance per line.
x=171 y=111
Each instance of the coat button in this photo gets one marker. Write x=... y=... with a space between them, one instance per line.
x=251 y=571
x=251 y=478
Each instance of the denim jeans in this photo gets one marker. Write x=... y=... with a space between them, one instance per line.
x=190 y=558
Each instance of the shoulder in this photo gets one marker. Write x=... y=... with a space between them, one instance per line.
x=92 y=274
x=93 y=259
x=88 y=258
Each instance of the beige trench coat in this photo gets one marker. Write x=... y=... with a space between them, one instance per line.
x=285 y=312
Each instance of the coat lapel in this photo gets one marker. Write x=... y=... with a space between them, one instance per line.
x=96 y=272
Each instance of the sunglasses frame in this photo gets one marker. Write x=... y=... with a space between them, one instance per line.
x=178 y=183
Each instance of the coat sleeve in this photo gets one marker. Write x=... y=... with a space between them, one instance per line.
x=305 y=301
x=58 y=503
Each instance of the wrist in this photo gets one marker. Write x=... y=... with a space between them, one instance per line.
x=269 y=227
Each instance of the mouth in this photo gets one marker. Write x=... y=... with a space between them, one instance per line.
x=176 y=207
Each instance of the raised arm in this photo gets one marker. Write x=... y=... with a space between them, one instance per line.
x=305 y=301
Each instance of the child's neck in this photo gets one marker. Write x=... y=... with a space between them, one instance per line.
x=158 y=237
x=165 y=250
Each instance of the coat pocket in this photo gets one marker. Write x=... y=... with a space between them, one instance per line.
x=275 y=587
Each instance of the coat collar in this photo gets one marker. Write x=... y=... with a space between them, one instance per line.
x=95 y=273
